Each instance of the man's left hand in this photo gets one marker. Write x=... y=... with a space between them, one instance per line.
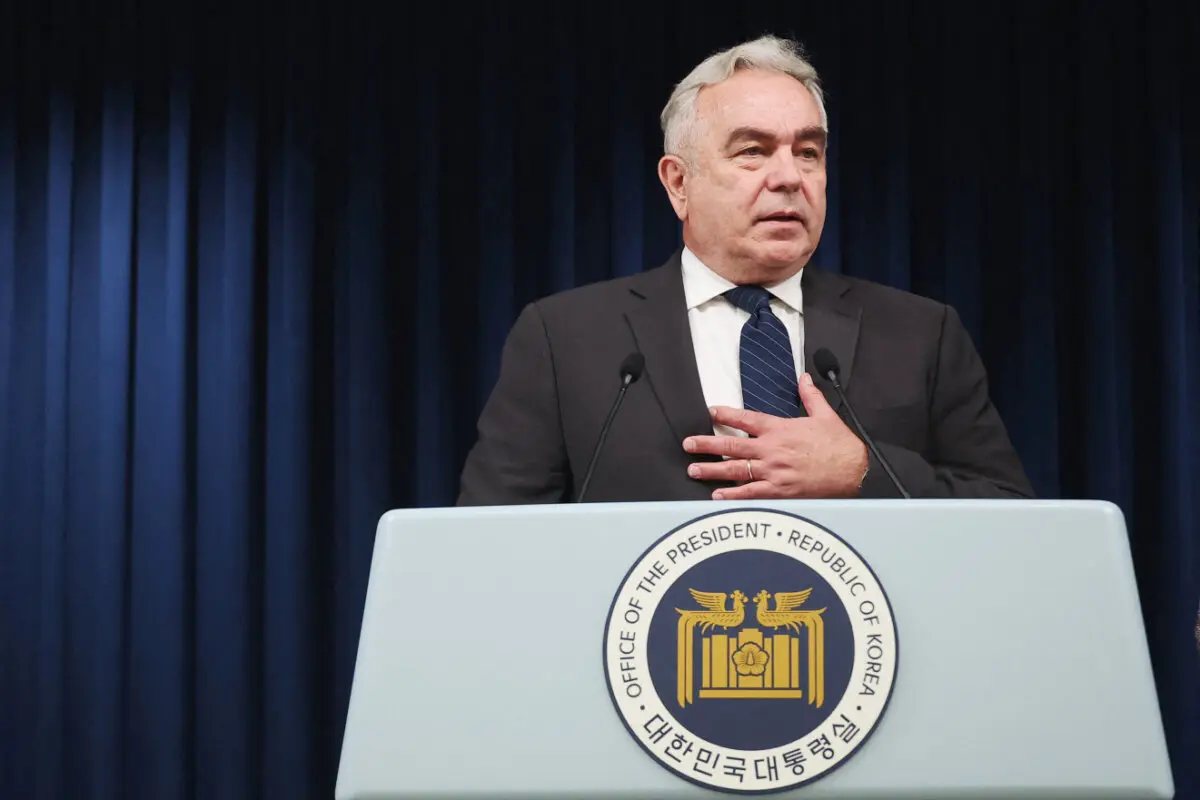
x=813 y=456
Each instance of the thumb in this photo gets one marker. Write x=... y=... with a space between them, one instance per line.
x=813 y=399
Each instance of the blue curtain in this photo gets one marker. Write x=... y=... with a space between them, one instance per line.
x=256 y=266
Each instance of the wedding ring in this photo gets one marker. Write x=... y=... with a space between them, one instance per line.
x=749 y=471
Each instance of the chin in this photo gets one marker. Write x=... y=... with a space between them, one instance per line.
x=782 y=254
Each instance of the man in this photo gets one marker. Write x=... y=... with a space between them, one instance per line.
x=728 y=326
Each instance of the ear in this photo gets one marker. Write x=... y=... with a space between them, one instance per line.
x=672 y=172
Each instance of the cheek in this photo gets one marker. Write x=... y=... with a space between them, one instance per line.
x=814 y=190
x=751 y=191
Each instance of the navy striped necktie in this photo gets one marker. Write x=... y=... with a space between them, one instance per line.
x=767 y=365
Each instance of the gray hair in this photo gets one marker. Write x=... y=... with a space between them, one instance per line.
x=768 y=53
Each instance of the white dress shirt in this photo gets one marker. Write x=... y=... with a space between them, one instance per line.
x=717 y=324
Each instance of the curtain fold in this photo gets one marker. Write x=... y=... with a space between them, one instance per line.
x=257 y=265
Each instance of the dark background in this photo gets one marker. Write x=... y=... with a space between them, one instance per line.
x=257 y=263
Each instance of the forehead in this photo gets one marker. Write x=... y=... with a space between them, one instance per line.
x=764 y=100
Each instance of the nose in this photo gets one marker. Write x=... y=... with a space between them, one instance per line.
x=783 y=175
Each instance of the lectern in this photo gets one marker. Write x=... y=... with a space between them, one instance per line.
x=824 y=649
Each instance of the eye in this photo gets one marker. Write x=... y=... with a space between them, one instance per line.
x=810 y=153
x=752 y=150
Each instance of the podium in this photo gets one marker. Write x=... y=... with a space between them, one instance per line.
x=823 y=649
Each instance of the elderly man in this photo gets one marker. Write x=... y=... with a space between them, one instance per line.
x=727 y=329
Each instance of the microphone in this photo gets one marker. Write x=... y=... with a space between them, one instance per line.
x=631 y=370
x=827 y=366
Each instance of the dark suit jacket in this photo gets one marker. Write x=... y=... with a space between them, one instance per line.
x=908 y=367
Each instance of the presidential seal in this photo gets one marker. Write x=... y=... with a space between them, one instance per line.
x=750 y=651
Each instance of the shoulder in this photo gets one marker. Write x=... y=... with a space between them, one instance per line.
x=588 y=296
x=877 y=304
x=871 y=294
x=610 y=298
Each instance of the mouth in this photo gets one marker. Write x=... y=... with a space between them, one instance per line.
x=783 y=216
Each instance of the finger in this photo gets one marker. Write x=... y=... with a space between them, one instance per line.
x=813 y=398
x=733 y=470
x=754 y=423
x=758 y=490
x=731 y=446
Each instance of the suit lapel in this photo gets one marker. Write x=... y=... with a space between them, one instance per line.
x=659 y=322
x=832 y=322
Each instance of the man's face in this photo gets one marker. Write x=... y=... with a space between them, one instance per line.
x=753 y=202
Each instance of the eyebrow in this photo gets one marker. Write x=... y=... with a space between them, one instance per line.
x=812 y=133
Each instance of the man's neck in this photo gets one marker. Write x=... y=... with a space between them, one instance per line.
x=743 y=274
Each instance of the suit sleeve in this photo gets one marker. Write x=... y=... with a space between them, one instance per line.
x=519 y=455
x=971 y=455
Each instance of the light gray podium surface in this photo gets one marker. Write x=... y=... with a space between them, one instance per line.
x=1023 y=668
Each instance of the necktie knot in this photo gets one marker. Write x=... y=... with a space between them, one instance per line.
x=749 y=298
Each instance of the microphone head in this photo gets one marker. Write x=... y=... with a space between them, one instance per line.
x=826 y=362
x=631 y=368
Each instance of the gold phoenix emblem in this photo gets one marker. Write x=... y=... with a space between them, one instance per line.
x=742 y=662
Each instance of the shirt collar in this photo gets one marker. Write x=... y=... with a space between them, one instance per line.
x=701 y=284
